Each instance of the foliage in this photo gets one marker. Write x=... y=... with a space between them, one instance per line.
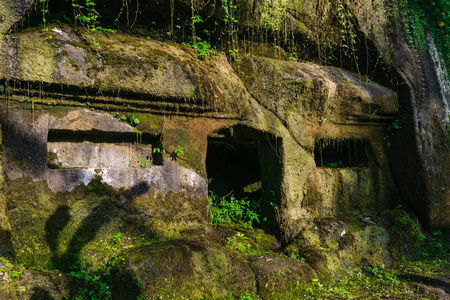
x=179 y=151
x=381 y=273
x=433 y=17
x=419 y=243
x=230 y=209
x=94 y=289
x=125 y=7
x=393 y=130
x=97 y=286
x=338 y=164
x=143 y=163
x=238 y=243
x=159 y=149
x=131 y=119
x=87 y=16
x=44 y=11
x=203 y=48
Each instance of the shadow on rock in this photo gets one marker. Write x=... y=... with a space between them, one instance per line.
x=181 y=268
x=6 y=247
x=89 y=227
x=40 y=294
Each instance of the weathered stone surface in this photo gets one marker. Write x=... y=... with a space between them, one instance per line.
x=278 y=103
x=181 y=268
x=280 y=276
x=12 y=12
x=337 y=246
x=20 y=283
x=80 y=185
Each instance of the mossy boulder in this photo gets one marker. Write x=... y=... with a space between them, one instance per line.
x=338 y=246
x=278 y=277
x=19 y=283
x=181 y=269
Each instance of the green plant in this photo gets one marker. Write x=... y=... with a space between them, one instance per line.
x=179 y=151
x=132 y=120
x=393 y=130
x=87 y=16
x=44 y=11
x=117 y=238
x=159 y=149
x=14 y=274
x=238 y=243
x=338 y=164
x=247 y=296
x=203 y=48
x=125 y=5
x=230 y=209
x=97 y=289
x=143 y=163
x=381 y=273
x=89 y=105
x=428 y=18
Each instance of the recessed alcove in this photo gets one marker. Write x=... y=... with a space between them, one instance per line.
x=341 y=153
x=245 y=163
x=67 y=149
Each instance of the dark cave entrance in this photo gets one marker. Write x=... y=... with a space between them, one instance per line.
x=341 y=153
x=245 y=163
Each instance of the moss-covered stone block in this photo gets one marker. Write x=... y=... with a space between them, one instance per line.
x=279 y=277
x=181 y=269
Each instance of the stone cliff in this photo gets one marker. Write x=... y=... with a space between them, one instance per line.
x=112 y=142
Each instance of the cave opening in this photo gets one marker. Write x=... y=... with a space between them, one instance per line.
x=244 y=163
x=341 y=153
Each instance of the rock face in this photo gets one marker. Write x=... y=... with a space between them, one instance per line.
x=182 y=269
x=297 y=140
x=111 y=136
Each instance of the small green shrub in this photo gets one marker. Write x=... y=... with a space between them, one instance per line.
x=382 y=273
x=179 y=151
x=131 y=119
x=233 y=210
x=95 y=289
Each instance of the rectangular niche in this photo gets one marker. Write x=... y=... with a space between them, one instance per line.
x=99 y=149
x=341 y=153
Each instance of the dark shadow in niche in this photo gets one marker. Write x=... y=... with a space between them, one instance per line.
x=246 y=163
x=40 y=294
x=95 y=136
x=106 y=137
x=341 y=153
x=157 y=152
x=6 y=246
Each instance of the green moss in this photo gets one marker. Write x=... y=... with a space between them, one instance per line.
x=150 y=123
x=192 y=157
x=201 y=270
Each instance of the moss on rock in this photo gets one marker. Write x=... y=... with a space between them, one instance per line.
x=279 y=277
x=181 y=269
